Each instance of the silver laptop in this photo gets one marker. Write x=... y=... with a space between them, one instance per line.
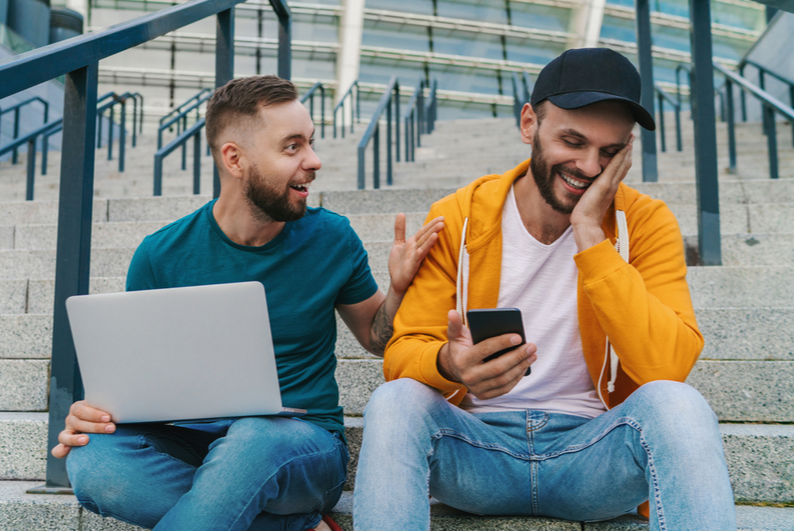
x=177 y=354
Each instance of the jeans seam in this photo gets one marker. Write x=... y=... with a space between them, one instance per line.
x=478 y=444
x=653 y=471
x=578 y=448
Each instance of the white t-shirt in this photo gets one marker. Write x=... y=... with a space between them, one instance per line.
x=541 y=280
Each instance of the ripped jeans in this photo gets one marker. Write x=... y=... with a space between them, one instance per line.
x=662 y=444
x=255 y=473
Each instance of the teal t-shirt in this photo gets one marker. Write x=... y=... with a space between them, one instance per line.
x=314 y=264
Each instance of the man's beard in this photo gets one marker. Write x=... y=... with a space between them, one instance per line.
x=544 y=177
x=269 y=204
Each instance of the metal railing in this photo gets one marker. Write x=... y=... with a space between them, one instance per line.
x=310 y=95
x=181 y=119
x=663 y=97
x=390 y=98
x=193 y=132
x=78 y=58
x=120 y=100
x=184 y=104
x=521 y=94
x=414 y=120
x=770 y=107
x=763 y=71
x=16 y=109
x=340 y=109
x=30 y=139
x=431 y=108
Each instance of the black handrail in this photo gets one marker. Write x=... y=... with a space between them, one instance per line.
x=311 y=96
x=431 y=108
x=341 y=104
x=414 y=119
x=372 y=132
x=78 y=58
x=179 y=109
x=193 y=132
x=763 y=70
x=662 y=97
x=770 y=106
x=16 y=108
x=30 y=140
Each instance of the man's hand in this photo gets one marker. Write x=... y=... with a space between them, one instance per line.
x=461 y=361
x=407 y=255
x=82 y=419
x=587 y=216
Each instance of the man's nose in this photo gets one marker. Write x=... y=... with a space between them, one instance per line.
x=312 y=162
x=590 y=163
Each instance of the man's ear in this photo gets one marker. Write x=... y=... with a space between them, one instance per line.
x=231 y=159
x=528 y=123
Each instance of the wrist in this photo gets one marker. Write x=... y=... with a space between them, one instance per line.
x=442 y=363
x=586 y=235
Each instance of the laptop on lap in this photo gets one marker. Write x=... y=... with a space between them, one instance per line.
x=176 y=354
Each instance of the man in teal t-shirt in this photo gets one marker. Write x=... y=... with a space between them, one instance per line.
x=258 y=472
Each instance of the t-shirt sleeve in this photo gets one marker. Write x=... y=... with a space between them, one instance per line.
x=140 y=275
x=360 y=285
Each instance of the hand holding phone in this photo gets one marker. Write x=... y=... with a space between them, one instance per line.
x=493 y=322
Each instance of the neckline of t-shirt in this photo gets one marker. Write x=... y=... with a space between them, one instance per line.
x=517 y=218
x=248 y=248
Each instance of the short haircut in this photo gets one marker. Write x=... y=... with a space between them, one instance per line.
x=242 y=98
x=540 y=109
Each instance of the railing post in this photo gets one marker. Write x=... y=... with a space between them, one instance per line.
x=742 y=94
x=662 y=123
x=110 y=133
x=15 y=155
x=224 y=64
x=377 y=157
x=197 y=139
x=678 y=119
x=282 y=10
x=343 y=119
x=73 y=256
x=45 y=148
x=397 y=129
x=99 y=130
x=772 y=144
x=135 y=118
x=706 y=151
x=158 y=178
x=122 y=135
x=322 y=112
x=31 y=173
x=730 y=126
x=765 y=127
x=185 y=145
x=648 y=138
x=360 y=170
x=389 y=142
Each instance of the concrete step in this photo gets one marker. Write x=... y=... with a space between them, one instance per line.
x=22 y=512
x=738 y=391
x=148 y=208
x=758 y=456
x=736 y=219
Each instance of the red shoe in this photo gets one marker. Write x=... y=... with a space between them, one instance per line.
x=331 y=523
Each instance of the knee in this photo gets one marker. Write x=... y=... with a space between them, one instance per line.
x=92 y=475
x=402 y=398
x=676 y=403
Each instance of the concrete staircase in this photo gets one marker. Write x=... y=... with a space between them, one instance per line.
x=744 y=307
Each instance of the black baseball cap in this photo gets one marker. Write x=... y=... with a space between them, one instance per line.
x=584 y=76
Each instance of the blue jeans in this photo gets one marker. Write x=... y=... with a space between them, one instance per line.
x=254 y=473
x=662 y=444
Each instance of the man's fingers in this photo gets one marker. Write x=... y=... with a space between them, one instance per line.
x=76 y=424
x=60 y=451
x=83 y=411
x=72 y=438
x=489 y=346
x=455 y=326
x=428 y=230
x=400 y=228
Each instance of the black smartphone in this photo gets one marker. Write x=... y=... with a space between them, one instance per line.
x=492 y=322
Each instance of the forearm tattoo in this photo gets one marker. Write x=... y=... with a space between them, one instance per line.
x=381 y=331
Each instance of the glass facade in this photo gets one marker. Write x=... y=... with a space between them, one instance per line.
x=473 y=47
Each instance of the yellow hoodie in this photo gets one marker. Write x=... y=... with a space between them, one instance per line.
x=643 y=306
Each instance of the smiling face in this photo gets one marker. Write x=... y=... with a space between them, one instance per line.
x=280 y=162
x=571 y=148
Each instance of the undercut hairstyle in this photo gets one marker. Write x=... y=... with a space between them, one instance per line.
x=540 y=109
x=241 y=99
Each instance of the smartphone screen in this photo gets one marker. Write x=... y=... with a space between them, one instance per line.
x=493 y=322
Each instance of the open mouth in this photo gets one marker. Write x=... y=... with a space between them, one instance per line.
x=574 y=183
x=301 y=187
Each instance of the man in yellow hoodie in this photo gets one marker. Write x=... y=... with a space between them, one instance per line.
x=602 y=423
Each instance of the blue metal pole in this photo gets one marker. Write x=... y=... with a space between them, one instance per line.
x=224 y=64
x=15 y=156
x=702 y=93
x=648 y=138
x=285 y=37
x=110 y=133
x=360 y=168
x=197 y=139
x=122 y=135
x=377 y=158
x=772 y=144
x=389 y=142
x=75 y=207
x=31 y=173
x=662 y=123
x=730 y=126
